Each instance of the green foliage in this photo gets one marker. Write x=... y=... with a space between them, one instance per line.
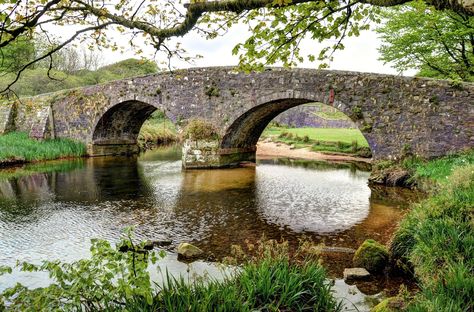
x=17 y=145
x=198 y=129
x=15 y=55
x=276 y=35
x=356 y=113
x=157 y=130
x=106 y=281
x=212 y=91
x=36 y=81
x=437 y=240
x=338 y=140
x=371 y=255
x=438 y=170
x=116 y=279
x=130 y=67
x=320 y=134
x=438 y=43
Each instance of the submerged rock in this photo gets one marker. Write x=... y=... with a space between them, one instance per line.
x=371 y=255
x=188 y=251
x=353 y=274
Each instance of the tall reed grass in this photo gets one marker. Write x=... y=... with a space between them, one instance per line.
x=18 y=146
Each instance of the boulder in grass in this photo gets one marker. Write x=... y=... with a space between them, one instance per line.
x=371 y=255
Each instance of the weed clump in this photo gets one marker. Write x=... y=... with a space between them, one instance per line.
x=198 y=129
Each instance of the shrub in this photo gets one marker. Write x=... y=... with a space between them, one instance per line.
x=198 y=129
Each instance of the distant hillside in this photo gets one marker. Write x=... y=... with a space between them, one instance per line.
x=316 y=115
x=36 y=81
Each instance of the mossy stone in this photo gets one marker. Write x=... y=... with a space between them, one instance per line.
x=371 y=255
x=392 y=304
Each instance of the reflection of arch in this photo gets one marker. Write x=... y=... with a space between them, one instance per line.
x=116 y=132
x=245 y=131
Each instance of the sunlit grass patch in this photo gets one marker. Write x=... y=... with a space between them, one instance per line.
x=18 y=146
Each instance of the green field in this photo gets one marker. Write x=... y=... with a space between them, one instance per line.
x=321 y=134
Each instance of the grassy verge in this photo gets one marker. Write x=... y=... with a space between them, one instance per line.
x=114 y=280
x=335 y=140
x=17 y=146
x=436 y=239
x=157 y=130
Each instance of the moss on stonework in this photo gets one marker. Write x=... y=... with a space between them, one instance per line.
x=199 y=129
x=372 y=256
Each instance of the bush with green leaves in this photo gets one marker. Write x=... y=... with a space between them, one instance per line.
x=107 y=280
x=116 y=278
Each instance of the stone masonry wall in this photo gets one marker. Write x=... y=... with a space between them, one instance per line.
x=397 y=115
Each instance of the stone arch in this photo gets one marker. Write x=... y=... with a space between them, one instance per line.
x=116 y=131
x=245 y=131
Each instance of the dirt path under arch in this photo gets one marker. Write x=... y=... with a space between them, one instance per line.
x=267 y=149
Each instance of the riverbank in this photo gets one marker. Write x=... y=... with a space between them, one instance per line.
x=18 y=148
x=332 y=140
x=268 y=149
x=434 y=242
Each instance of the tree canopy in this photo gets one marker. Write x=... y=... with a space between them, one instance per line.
x=438 y=43
x=277 y=26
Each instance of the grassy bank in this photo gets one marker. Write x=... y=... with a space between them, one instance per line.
x=157 y=130
x=18 y=147
x=436 y=239
x=336 y=140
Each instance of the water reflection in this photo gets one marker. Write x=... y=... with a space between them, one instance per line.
x=52 y=212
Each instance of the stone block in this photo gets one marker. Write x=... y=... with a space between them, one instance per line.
x=353 y=274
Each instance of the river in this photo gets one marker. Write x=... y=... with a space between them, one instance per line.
x=51 y=210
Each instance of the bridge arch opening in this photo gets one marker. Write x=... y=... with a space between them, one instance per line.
x=244 y=133
x=116 y=132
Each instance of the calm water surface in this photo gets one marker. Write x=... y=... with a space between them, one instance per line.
x=52 y=210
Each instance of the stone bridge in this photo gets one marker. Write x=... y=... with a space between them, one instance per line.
x=397 y=115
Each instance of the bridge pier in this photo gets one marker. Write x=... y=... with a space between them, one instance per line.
x=112 y=149
x=203 y=154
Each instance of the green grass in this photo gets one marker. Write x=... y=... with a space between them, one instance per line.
x=436 y=238
x=322 y=134
x=439 y=169
x=18 y=146
x=269 y=285
x=269 y=278
x=157 y=132
x=336 y=140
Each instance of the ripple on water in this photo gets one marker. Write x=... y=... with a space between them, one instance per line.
x=54 y=215
x=304 y=200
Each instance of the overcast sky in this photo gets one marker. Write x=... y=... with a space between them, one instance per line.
x=360 y=53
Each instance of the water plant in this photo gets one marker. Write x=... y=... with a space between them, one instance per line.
x=115 y=278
